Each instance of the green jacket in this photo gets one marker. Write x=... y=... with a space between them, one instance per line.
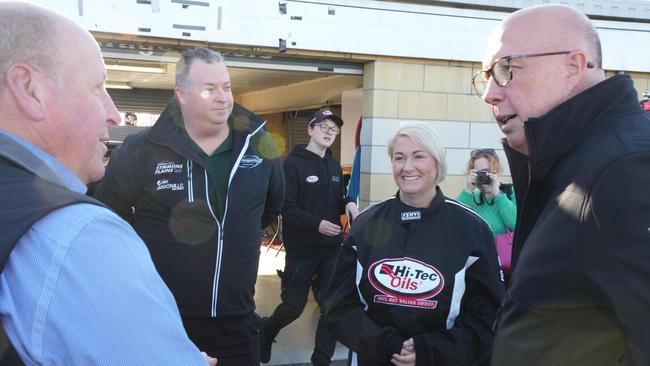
x=502 y=213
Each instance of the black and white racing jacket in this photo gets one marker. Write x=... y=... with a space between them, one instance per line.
x=429 y=274
x=156 y=181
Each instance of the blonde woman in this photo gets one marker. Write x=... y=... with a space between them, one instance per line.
x=417 y=279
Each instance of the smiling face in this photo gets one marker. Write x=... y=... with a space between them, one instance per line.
x=206 y=100
x=79 y=107
x=415 y=172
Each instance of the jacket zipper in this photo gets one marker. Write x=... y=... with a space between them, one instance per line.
x=190 y=182
x=217 y=268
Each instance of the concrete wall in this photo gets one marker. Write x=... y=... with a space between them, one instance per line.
x=361 y=27
x=436 y=92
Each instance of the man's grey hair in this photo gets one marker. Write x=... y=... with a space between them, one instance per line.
x=593 y=42
x=187 y=58
x=29 y=34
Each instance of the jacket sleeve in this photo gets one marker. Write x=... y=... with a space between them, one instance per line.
x=274 y=193
x=507 y=209
x=291 y=212
x=123 y=181
x=468 y=340
x=615 y=247
x=347 y=319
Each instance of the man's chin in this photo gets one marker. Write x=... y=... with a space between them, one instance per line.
x=522 y=148
x=94 y=176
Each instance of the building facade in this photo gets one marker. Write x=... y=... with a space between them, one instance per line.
x=389 y=62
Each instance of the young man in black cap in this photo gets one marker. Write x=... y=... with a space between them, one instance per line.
x=315 y=199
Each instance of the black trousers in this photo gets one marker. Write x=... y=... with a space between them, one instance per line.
x=295 y=282
x=233 y=340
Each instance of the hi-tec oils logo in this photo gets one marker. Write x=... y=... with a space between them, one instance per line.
x=406 y=282
x=250 y=161
x=168 y=167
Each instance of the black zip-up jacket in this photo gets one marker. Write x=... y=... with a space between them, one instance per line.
x=580 y=288
x=156 y=181
x=315 y=191
x=431 y=274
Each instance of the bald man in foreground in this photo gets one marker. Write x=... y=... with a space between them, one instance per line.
x=578 y=146
x=77 y=285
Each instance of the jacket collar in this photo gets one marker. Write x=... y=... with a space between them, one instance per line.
x=38 y=162
x=170 y=131
x=301 y=151
x=411 y=215
x=561 y=129
x=580 y=117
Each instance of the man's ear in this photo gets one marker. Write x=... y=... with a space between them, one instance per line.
x=576 y=66
x=180 y=94
x=27 y=87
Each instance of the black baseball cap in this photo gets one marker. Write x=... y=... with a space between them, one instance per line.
x=323 y=115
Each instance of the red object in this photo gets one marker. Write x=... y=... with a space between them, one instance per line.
x=646 y=105
x=275 y=243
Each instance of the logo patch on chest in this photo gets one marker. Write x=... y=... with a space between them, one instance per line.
x=410 y=216
x=163 y=184
x=250 y=161
x=168 y=167
x=312 y=179
x=406 y=282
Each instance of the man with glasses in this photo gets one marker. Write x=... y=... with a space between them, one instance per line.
x=314 y=201
x=579 y=151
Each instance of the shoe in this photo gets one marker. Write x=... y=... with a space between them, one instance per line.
x=266 y=342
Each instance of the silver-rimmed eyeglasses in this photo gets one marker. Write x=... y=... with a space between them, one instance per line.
x=501 y=71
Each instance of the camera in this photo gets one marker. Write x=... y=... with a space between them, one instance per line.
x=482 y=178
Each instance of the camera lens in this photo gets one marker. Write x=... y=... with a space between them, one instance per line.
x=482 y=178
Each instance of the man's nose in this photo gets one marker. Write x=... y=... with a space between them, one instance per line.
x=493 y=92
x=113 y=117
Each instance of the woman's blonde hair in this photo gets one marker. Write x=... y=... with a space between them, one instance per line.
x=426 y=137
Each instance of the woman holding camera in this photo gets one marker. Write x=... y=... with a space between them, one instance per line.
x=417 y=280
x=486 y=195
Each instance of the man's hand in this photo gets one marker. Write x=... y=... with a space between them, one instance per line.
x=211 y=360
x=406 y=356
x=352 y=211
x=328 y=228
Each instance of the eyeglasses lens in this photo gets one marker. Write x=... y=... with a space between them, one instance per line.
x=479 y=81
x=328 y=129
x=501 y=72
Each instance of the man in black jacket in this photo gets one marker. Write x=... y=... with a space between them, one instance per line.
x=311 y=230
x=579 y=151
x=197 y=187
